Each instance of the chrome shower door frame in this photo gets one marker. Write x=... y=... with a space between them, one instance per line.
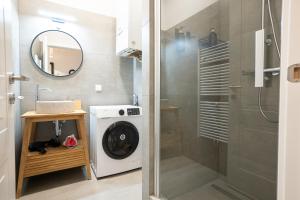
x=157 y=46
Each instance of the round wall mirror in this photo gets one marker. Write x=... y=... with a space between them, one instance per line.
x=56 y=53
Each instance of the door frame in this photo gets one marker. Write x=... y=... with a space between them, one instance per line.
x=11 y=34
x=157 y=57
x=289 y=137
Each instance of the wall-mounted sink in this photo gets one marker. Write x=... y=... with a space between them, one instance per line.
x=54 y=107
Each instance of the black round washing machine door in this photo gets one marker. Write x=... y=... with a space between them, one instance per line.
x=120 y=140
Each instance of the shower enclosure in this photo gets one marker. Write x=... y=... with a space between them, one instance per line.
x=218 y=129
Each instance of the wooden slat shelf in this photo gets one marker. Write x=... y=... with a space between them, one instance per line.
x=54 y=151
x=56 y=158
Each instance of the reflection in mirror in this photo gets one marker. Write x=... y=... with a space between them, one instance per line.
x=56 y=53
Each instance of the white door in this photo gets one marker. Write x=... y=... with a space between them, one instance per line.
x=7 y=153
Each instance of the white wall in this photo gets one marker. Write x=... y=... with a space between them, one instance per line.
x=174 y=11
x=102 y=7
x=289 y=129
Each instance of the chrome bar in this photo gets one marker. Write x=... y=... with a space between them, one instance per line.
x=219 y=115
x=157 y=59
x=215 y=128
x=213 y=59
x=275 y=69
x=219 y=72
x=218 y=122
x=212 y=85
x=225 y=44
x=215 y=106
x=217 y=50
x=211 y=66
x=220 y=132
x=213 y=55
x=215 y=85
x=214 y=119
x=221 y=48
x=212 y=111
x=215 y=133
x=213 y=69
x=212 y=90
x=225 y=81
x=220 y=83
x=212 y=76
x=216 y=111
x=218 y=107
x=217 y=94
x=215 y=102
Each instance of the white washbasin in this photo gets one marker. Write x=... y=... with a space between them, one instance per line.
x=54 y=107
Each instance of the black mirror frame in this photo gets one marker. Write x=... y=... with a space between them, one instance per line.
x=52 y=75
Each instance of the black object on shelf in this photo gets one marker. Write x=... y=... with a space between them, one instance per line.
x=41 y=146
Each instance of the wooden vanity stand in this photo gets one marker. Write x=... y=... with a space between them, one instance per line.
x=59 y=158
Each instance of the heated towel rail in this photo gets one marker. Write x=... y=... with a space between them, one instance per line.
x=213 y=89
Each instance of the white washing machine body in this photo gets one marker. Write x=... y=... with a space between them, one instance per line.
x=115 y=139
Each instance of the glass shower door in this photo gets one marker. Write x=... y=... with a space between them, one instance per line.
x=218 y=133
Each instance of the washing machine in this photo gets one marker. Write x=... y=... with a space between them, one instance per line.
x=115 y=139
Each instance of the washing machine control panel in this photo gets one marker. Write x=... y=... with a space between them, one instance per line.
x=133 y=111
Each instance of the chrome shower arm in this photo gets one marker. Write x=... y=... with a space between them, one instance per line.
x=274 y=69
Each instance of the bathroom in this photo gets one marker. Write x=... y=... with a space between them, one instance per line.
x=66 y=57
x=140 y=99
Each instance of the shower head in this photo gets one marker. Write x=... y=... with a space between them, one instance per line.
x=180 y=39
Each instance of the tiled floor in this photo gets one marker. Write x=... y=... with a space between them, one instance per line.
x=213 y=191
x=206 y=193
x=185 y=179
x=180 y=175
x=71 y=185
